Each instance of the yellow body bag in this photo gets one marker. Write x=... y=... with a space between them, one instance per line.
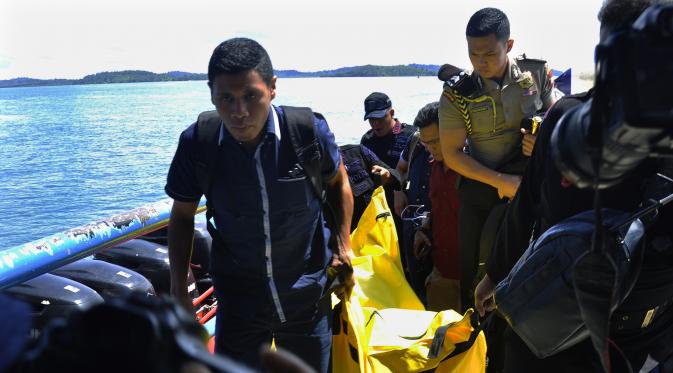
x=382 y=326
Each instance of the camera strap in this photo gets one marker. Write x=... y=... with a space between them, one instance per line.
x=601 y=282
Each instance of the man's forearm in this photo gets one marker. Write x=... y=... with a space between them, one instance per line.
x=180 y=238
x=346 y=217
x=402 y=170
x=395 y=180
x=340 y=198
x=471 y=168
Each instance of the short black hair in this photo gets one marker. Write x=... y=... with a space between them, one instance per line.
x=615 y=14
x=428 y=115
x=488 y=21
x=237 y=55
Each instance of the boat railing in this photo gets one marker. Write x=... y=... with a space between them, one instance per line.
x=24 y=262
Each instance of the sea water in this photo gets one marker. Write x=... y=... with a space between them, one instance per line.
x=73 y=154
x=70 y=155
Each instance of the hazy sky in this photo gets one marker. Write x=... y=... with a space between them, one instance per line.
x=73 y=38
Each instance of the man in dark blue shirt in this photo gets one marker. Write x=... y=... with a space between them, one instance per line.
x=270 y=251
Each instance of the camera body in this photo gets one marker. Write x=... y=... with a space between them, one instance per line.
x=130 y=333
x=630 y=116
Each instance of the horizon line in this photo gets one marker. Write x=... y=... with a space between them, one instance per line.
x=275 y=70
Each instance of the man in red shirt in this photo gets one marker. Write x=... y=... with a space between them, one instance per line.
x=439 y=233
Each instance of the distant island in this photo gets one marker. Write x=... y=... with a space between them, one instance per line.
x=139 y=76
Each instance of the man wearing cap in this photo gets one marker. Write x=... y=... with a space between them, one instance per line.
x=388 y=136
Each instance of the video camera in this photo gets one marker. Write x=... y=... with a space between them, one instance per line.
x=134 y=333
x=630 y=116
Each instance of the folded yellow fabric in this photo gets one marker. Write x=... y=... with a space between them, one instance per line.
x=382 y=326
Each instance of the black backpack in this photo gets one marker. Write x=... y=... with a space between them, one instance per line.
x=563 y=291
x=299 y=122
x=540 y=298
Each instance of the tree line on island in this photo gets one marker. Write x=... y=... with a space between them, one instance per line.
x=138 y=76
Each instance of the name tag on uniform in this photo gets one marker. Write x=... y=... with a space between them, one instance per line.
x=478 y=109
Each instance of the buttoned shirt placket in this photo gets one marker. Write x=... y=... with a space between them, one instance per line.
x=267 y=223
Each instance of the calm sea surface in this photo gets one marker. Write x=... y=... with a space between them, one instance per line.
x=73 y=154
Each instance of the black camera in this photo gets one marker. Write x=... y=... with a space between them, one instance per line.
x=134 y=333
x=630 y=116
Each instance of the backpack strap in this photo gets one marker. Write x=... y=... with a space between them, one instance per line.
x=207 y=136
x=299 y=122
x=301 y=129
x=415 y=138
x=413 y=141
x=206 y=164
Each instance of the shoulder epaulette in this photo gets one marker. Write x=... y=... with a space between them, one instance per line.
x=533 y=69
x=524 y=58
x=531 y=64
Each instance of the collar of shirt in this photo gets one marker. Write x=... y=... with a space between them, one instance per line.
x=512 y=74
x=397 y=127
x=440 y=165
x=271 y=127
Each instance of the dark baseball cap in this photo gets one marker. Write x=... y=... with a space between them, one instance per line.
x=377 y=105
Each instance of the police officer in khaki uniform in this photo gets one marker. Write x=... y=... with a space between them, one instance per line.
x=486 y=108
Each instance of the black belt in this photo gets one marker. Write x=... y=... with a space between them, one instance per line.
x=630 y=320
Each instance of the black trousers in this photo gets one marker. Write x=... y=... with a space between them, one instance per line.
x=477 y=200
x=416 y=270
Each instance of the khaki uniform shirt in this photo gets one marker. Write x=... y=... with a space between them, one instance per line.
x=496 y=112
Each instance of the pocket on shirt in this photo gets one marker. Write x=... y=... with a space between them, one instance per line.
x=481 y=116
x=530 y=104
x=289 y=194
